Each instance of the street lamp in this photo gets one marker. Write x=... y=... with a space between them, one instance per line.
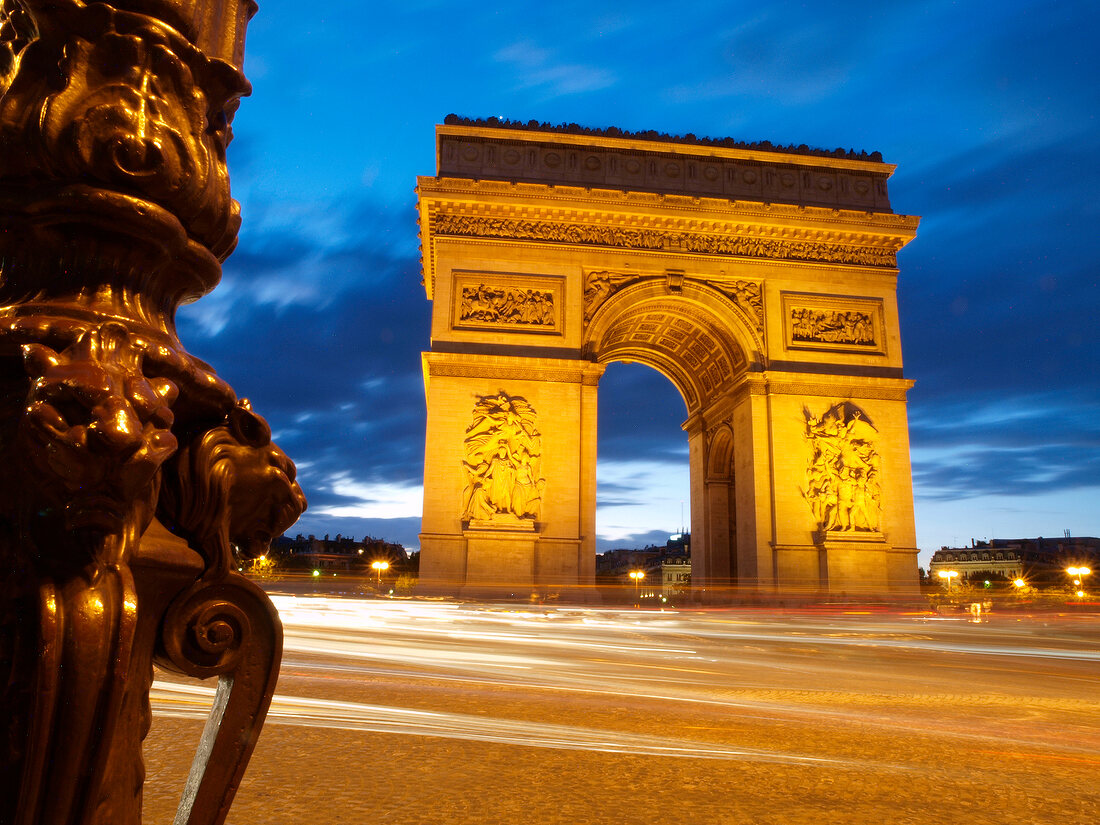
x=1078 y=573
x=947 y=576
x=379 y=566
x=637 y=575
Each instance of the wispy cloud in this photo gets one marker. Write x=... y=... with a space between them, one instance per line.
x=537 y=70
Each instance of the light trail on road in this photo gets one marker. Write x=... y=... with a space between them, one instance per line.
x=600 y=652
x=193 y=702
x=875 y=713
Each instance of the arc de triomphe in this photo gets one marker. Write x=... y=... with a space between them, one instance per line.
x=760 y=281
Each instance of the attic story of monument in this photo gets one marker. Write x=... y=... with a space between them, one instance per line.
x=761 y=281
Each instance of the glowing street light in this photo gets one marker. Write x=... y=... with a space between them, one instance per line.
x=1020 y=583
x=947 y=576
x=379 y=566
x=637 y=575
x=1079 y=573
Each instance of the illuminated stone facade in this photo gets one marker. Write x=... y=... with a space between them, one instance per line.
x=761 y=282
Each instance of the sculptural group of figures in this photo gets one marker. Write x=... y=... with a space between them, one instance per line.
x=832 y=327
x=503 y=461
x=843 y=486
x=504 y=305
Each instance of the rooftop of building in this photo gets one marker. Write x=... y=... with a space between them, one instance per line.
x=651 y=135
x=1045 y=542
x=582 y=159
x=1058 y=548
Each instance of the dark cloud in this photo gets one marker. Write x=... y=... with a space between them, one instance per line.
x=325 y=340
x=640 y=413
x=998 y=295
x=988 y=445
x=604 y=502
x=1016 y=471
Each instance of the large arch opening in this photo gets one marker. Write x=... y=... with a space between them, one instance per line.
x=642 y=467
x=683 y=336
x=693 y=340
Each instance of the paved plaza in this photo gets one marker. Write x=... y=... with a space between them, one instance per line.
x=439 y=712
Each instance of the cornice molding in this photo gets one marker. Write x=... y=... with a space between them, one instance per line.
x=735 y=240
x=844 y=390
x=474 y=193
x=506 y=368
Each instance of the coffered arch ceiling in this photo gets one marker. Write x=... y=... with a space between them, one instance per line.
x=686 y=342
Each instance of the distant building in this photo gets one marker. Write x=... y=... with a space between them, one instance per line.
x=666 y=570
x=675 y=576
x=340 y=553
x=1038 y=561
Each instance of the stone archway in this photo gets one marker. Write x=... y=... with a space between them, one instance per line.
x=761 y=283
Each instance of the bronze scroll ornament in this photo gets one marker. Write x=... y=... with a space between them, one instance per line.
x=130 y=474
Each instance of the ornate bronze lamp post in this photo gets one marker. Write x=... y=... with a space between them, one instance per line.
x=129 y=472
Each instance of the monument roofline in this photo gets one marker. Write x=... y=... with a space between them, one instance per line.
x=599 y=159
x=586 y=133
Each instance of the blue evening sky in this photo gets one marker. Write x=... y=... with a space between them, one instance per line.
x=988 y=109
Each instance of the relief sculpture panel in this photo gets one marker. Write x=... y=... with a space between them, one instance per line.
x=598 y=287
x=503 y=305
x=836 y=323
x=843 y=486
x=747 y=295
x=507 y=302
x=832 y=327
x=503 y=463
x=746 y=244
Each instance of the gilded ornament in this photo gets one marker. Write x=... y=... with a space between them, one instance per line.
x=136 y=477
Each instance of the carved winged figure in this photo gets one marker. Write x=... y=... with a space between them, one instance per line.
x=503 y=460
x=842 y=485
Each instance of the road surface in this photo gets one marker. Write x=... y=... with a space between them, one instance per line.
x=413 y=711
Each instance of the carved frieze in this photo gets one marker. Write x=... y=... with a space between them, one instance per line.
x=503 y=463
x=832 y=327
x=843 y=485
x=507 y=302
x=736 y=245
x=483 y=304
x=834 y=322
